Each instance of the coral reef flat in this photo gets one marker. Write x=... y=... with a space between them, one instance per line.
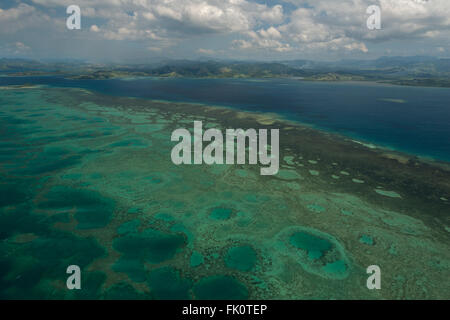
x=86 y=179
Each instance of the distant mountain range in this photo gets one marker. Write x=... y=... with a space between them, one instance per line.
x=417 y=70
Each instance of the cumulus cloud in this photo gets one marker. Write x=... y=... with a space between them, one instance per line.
x=341 y=25
x=21 y=17
x=200 y=15
x=269 y=38
x=303 y=26
x=400 y=18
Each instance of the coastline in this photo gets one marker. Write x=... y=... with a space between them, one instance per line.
x=230 y=117
x=269 y=118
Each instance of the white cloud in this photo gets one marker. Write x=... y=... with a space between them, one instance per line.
x=314 y=26
x=19 y=12
x=21 y=17
x=329 y=25
x=268 y=39
x=400 y=18
x=211 y=15
x=94 y=28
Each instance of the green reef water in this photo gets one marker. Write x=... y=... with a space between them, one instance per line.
x=87 y=180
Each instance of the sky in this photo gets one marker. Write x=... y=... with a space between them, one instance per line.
x=145 y=30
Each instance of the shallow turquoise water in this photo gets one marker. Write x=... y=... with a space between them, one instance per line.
x=221 y=213
x=80 y=185
x=315 y=246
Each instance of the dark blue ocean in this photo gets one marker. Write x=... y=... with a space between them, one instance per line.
x=415 y=120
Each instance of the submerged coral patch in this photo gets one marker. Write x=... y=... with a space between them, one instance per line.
x=242 y=258
x=150 y=245
x=92 y=210
x=221 y=213
x=220 y=287
x=317 y=252
x=366 y=239
x=289 y=175
x=166 y=283
x=313 y=245
x=196 y=259
x=315 y=208
x=390 y=194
